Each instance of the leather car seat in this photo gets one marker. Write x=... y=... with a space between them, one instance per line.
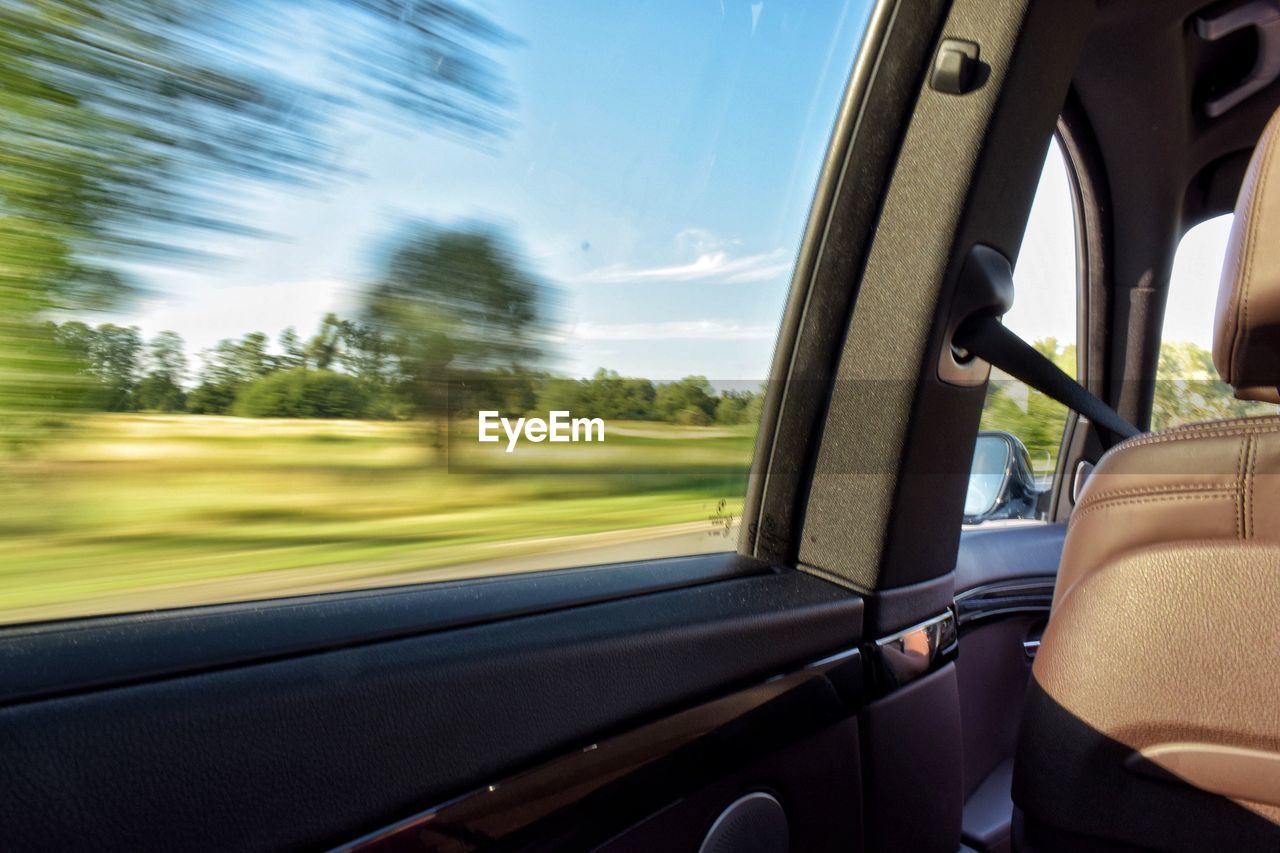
x=1153 y=718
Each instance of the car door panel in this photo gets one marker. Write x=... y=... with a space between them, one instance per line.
x=791 y=736
x=1003 y=553
x=316 y=749
x=1005 y=576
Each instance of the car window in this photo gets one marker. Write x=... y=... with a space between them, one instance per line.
x=1044 y=315
x=1188 y=387
x=307 y=296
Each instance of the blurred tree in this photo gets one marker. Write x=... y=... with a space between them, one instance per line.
x=228 y=367
x=76 y=341
x=210 y=398
x=74 y=385
x=167 y=357
x=605 y=395
x=322 y=350
x=738 y=407
x=292 y=351
x=557 y=393
x=123 y=121
x=365 y=354
x=115 y=359
x=249 y=357
x=688 y=401
x=1033 y=417
x=619 y=397
x=161 y=389
x=452 y=305
x=302 y=393
x=157 y=394
x=1188 y=389
x=509 y=390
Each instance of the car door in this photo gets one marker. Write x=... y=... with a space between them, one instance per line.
x=512 y=670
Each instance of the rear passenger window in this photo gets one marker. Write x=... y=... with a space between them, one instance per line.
x=1188 y=387
x=299 y=297
x=1019 y=424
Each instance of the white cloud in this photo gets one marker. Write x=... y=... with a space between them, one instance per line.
x=701 y=240
x=708 y=265
x=703 y=330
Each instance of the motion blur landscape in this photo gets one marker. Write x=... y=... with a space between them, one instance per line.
x=226 y=159
x=261 y=263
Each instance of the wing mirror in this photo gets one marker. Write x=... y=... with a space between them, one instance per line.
x=1001 y=482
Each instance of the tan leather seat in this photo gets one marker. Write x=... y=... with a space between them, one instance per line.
x=1154 y=715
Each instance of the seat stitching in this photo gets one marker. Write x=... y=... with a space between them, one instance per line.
x=1251 y=467
x=1220 y=493
x=1214 y=433
x=1257 y=419
x=1149 y=490
x=1268 y=423
x=1241 y=462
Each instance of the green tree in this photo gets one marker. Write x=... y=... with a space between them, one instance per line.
x=605 y=395
x=76 y=339
x=1189 y=389
x=124 y=121
x=156 y=394
x=508 y=390
x=323 y=349
x=1033 y=417
x=210 y=398
x=249 y=357
x=366 y=354
x=293 y=352
x=229 y=366
x=608 y=395
x=557 y=393
x=687 y=401
x=302 y=393
x=453 y=306
x=161 y=389
x=115 y=354
x=738 y=407
x=75 y=386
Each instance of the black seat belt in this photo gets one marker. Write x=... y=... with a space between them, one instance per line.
x=986 y=337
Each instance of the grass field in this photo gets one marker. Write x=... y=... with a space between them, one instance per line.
x=132 y=512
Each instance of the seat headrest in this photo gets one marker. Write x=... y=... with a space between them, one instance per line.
x=1246 y=336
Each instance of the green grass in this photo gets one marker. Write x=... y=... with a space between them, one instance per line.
x=180 y=509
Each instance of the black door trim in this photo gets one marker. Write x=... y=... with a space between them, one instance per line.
x=65 y=657
x=581 y=798
x=314 y=749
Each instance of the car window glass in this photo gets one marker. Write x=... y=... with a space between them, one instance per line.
x=310 y=296
x=1188 y=387
x=1044 y=315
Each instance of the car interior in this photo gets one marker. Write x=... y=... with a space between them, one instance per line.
x=866 y=671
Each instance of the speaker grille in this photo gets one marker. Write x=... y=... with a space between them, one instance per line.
x=755 y=823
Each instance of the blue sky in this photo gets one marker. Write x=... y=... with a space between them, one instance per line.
x=659 y=173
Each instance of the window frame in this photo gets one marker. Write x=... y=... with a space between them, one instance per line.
x=1071 y=419
x=1091 y=213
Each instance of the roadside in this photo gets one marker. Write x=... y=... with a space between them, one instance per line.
x=529 y=555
